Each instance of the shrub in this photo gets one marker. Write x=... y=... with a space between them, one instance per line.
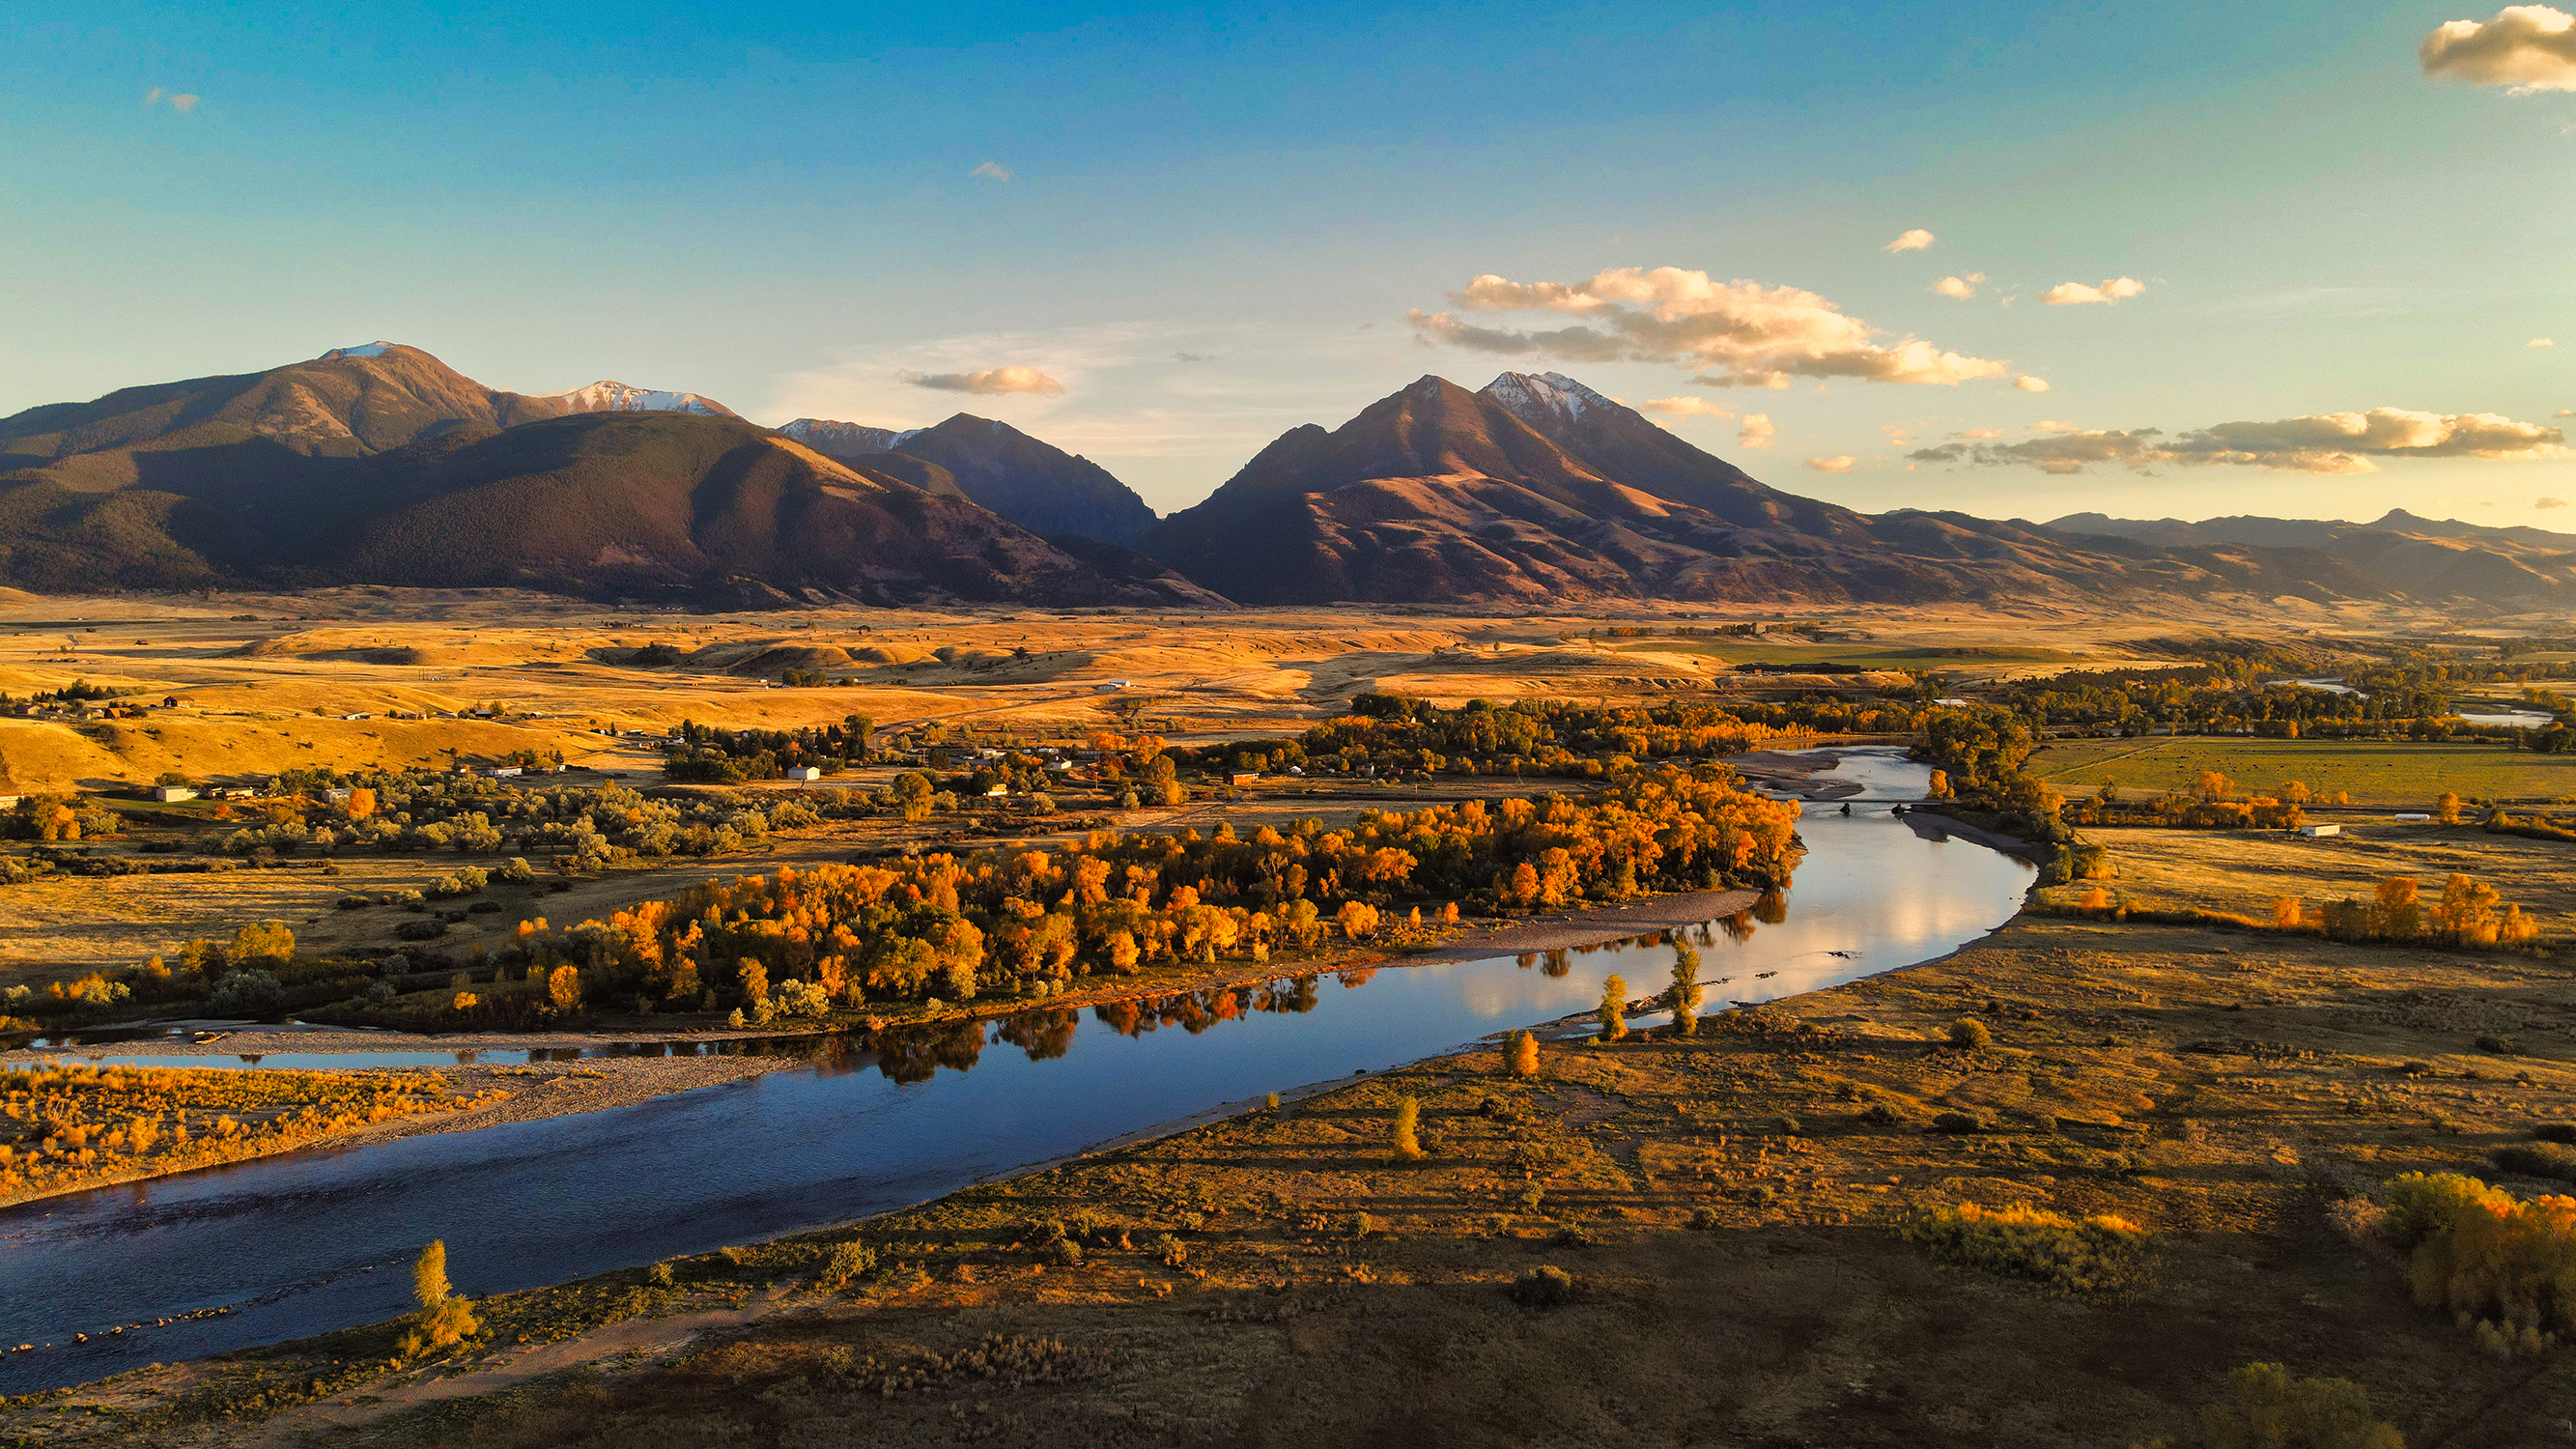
x=2555 y=1132
x=1408 y=1118
x=659 y=1275
x=1521 y=1060
x=2503 y=1046
x=1066 y=1252
x=2422 y=1205
x=847 y=1262
x=1970 y=1033
x=1545 y=1286
x=2101 y=1254
x=2537 y=1159
x=1614 y=997
x=2270 y=1410
x=2513 y=1260
x=1958 y=1122
x=420 y=930
x=246 y=993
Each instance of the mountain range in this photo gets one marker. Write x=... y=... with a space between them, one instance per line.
x=2397 y=553
x=380 y=464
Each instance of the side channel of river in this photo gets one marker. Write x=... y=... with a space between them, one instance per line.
x=318 y=1240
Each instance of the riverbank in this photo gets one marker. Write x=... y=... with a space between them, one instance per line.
x=492 y=1095
x=1724 y=1209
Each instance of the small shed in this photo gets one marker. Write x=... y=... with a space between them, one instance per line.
x=167 y=793
x=2320 y=832
x=502 y=772
x=805 y=772
x=1244 y=777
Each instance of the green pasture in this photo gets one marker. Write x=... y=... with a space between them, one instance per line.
x=2372 y=772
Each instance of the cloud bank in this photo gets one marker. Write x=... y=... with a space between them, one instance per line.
x=2076 y=294
x=2527 y=47
x=990 y=380
x=2315 y=443
x=1744 y=333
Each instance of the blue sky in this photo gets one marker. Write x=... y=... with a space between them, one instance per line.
x=1208 y=226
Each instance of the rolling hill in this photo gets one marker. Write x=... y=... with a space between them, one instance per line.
x=2398 y=553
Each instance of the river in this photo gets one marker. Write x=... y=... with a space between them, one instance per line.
x=318 y=1240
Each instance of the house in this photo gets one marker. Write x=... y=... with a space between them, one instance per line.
x=336 y=796
x=235 y=792
x=805 y=772
x=1243 y=777
x=9 y=796
x=2319 y=832
x=502 y=772
x=997 y=792
x=357 y=716
x=168 y=793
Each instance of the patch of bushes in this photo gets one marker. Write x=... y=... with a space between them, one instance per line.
x=2537 y=1159
x=1958 y=1122
x=1545 y=1286
x=2483 y=1254
x=2102 y=1255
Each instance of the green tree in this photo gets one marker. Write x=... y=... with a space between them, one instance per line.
x=911 y=792
x=267 y=944
x=1684 y=996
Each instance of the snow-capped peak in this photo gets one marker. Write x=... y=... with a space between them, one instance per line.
x=1530 y=397
x=618 y=397
x=827 y=435
x=363 y=349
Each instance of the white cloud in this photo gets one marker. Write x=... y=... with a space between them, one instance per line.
x=2564 y=413
x=2068 y=294
x=1748 y=334
x=2549 y=503
x=2315 y=443
x=1895 y=434
x=2028 y=383
x=992 y=170
x=2527 y=47
x=1758 y=431
x=1960 y=287
x=1983 y=433
x=180 y=101
x=1689 y=407
x=990 y=380
x=1841 y=464
x=1912 y=241
x=2542 y=342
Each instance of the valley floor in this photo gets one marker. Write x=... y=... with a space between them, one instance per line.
x=1727 y=1207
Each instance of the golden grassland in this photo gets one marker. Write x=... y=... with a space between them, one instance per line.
x=263 y=679
x=1763 y=1229
x=2407 y=776
x=79 y=1126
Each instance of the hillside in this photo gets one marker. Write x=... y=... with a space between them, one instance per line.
x=652 y=505
x=2398 y=553
x=1034 y=484
x=1539 y=488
